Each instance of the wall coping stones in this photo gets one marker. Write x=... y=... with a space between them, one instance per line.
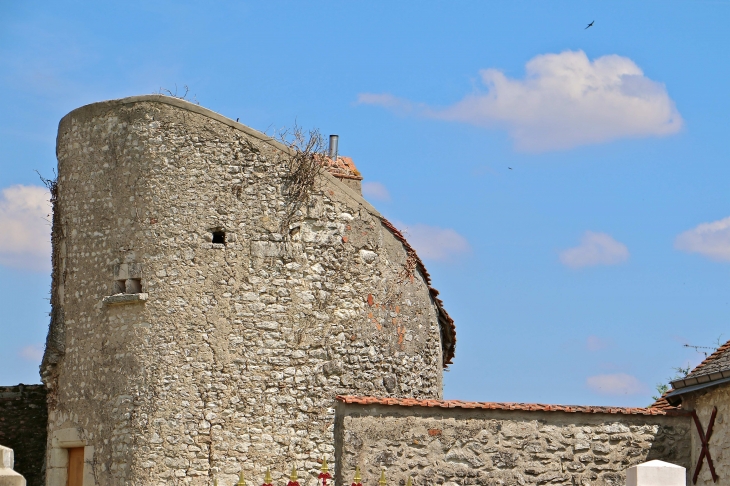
x=524 y=407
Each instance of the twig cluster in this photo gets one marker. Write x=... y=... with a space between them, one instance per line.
x=409 y=267
x=304 y=166
x=184 y=96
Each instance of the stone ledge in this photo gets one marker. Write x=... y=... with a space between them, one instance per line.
x=120 y=299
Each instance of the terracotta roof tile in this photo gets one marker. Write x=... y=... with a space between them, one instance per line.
x=662 y=404
x=342 y=167
x=717 y=361
x=528 y=407
x=448 y=328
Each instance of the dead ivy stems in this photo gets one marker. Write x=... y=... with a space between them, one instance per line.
x=303 y=169
x=166 y=92
x=408 y=271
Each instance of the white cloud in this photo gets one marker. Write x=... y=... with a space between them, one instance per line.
x=594 y=343
x=393 y=103
x=25 y=228
x=34 y=352
x=433 y=243
x=564 y=101
x=708 y=239
x=375 y=191
x=595 y=249
x=616 y=384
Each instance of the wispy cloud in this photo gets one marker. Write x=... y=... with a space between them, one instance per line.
x=565 y=100
x=25 y=229
x=34 y=352
x=594 y=343
x=434 y=243
x=375 y=191
x=595 y=249
x=616 y=384
x=708 y=239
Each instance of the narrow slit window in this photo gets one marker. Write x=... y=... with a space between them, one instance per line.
x=219 y=237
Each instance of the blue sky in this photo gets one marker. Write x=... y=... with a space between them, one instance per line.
x=576 y=276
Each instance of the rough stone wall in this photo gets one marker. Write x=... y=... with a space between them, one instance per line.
x=23 y=418
x=702 y=403
x=502 y=447
x=234 y=360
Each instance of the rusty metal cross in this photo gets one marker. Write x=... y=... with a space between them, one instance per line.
x=705 y=439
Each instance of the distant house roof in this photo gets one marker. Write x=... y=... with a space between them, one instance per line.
x=714 y=370
x=662 y=403
x=718 y=361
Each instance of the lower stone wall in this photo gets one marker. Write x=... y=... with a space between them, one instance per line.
x=23 y=420
x=462 y=446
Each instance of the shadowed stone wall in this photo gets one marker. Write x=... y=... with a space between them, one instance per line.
x=23 y=418
x=451 y=446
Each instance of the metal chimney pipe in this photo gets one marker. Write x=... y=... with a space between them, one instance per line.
x=333 y=146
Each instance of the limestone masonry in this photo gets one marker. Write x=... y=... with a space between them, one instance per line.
x=193 y=334
x=453 y=443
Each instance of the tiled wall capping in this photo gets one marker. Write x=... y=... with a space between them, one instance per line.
x=120 y=299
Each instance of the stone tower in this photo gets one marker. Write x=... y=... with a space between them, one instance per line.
x=198 y=328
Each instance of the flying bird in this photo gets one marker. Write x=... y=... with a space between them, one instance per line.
x=510 y=168
x=591 y=24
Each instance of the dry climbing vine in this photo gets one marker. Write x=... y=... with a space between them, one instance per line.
x=304 y=165
x=409 y=267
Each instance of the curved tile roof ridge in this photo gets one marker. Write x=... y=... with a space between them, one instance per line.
x=448 y=328
x=527 y=407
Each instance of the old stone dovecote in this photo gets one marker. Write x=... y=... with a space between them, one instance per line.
x=193 y=333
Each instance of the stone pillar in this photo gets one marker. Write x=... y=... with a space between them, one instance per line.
x=656 y=473
x=8 y=477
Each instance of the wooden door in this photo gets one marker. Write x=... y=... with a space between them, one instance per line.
x=75 y=467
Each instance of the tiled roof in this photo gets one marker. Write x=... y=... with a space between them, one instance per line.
x=717 y=361
x=448 y=328
x=527 y=407
x=662 y=403
x=342 y=167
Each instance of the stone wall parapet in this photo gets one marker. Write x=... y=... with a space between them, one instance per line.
x=483 y=446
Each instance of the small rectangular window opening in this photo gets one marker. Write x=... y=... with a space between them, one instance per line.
x=128 y=286
x=128 y=278
x=219 y=237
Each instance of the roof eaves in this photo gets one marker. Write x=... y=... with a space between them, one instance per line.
x=672 y=395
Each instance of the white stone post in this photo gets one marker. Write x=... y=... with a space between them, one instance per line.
x=656 y=473
x=8 y=477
